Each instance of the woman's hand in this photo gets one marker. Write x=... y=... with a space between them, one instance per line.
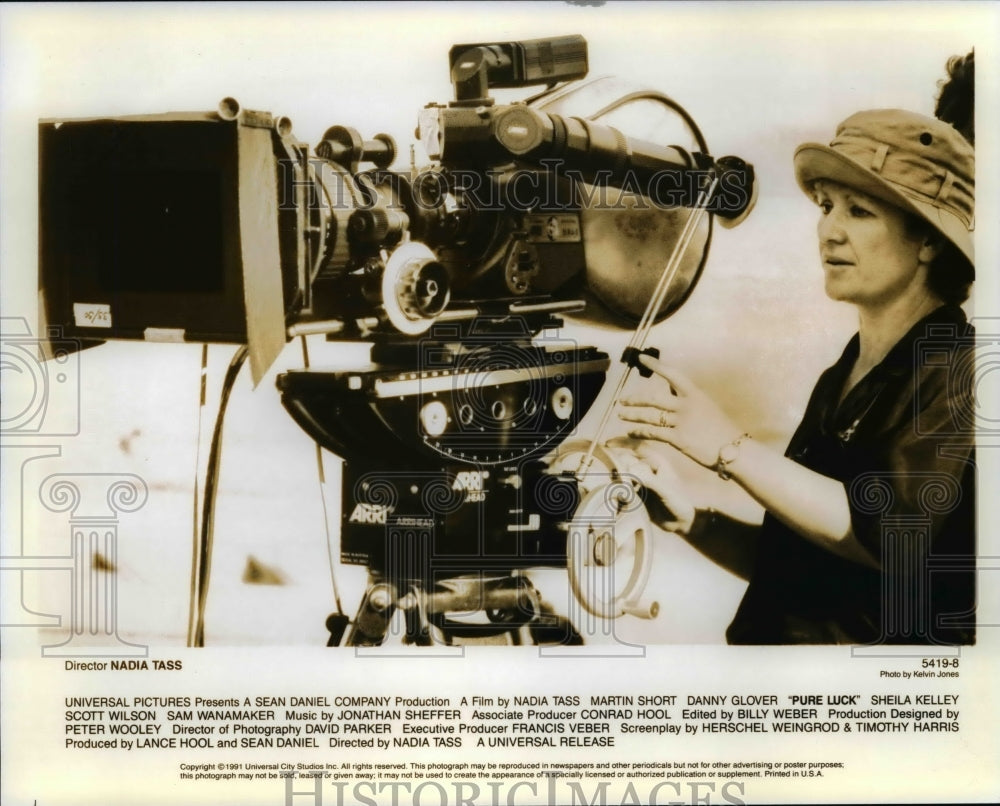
x=807 y=502
x=680 y=415
x=669 y=505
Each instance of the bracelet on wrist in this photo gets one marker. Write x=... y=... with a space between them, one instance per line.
x=728 y=454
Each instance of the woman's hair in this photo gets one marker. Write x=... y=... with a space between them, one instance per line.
x=950 y=273
x=957 y=102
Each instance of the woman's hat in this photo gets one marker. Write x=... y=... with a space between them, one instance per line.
x=915 y=162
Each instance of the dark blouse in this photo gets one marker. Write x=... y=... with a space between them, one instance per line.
x=902 y=443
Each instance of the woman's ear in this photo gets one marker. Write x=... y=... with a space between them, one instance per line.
x=930 y=249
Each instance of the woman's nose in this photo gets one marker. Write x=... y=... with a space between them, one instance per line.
x=831 y=228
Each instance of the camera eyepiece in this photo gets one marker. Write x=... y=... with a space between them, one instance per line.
x=345 y=146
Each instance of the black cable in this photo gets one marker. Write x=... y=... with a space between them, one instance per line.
x=193 y=590
x=211 y=486
x=322 y=494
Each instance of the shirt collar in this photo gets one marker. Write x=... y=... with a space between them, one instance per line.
x=950 y=322
x=900 y=358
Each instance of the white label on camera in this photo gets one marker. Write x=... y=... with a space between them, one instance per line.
x=169 y=334
x=91 y=314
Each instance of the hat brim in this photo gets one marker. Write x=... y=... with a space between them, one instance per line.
x=816 y=161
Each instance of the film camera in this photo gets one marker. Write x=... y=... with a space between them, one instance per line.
x=457 y=477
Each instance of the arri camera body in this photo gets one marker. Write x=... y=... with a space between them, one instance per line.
x=223 y=227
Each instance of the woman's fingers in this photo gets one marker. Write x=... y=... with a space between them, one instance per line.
x=641 y=453
x=655 y=456
x=679 y=511
x=650 y=415
x=652 y=432
x=679 y=382
x=688 y=419
x=624 y=444
x=668 y=505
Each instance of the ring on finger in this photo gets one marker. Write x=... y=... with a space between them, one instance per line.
x=663 y=419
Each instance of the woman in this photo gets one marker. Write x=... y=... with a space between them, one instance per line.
x=868 y=535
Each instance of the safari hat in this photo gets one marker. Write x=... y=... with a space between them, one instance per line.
x=915 y=162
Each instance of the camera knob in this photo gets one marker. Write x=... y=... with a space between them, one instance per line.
x=345 y=146
x=378 y=226
x=521 y=130
x=415 y=288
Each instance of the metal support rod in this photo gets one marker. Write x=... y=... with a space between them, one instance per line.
x=638 y=338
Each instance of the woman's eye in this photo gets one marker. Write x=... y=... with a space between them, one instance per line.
x=859 y=212
x=825 y=206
